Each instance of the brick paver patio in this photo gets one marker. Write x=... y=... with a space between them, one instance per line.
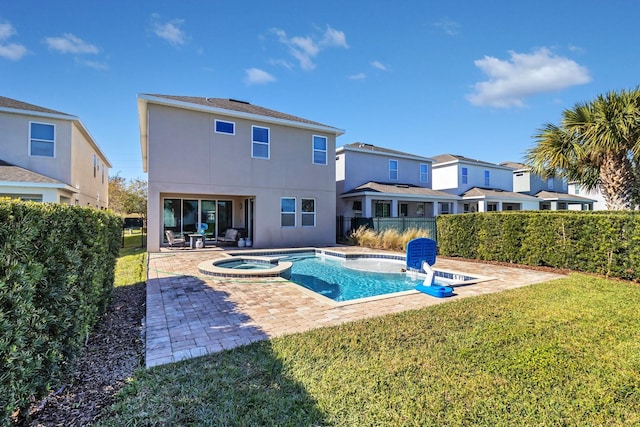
x=190 y=314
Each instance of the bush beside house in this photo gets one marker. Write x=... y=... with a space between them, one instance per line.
x=593 y=242
x=56 y=277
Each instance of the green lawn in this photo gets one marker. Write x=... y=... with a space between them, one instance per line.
x=131 y=265
x=560 y=353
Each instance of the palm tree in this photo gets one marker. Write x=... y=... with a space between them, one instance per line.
x=597 y=144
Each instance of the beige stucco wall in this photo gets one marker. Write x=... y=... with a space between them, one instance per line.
x=186 y=157
x=72 y=163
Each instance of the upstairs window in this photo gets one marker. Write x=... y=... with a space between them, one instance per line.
x=465 y=175
x=550 y=183
x=221 y=126
x=95 y=165
x=260 y=142
x=308 y=212
x=424 y=173
x=393 y=170
x=576 y=189
x=42 y=139
x=288 y=212
x=487 y=179
x=319 y=150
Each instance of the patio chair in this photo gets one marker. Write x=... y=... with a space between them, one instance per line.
x=173 y=240
x=230 y=236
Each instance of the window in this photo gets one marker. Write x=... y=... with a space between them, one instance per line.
x=287 y=212
x=403 y=209
x=487 y=178
x=420 y=209
x=393 y=170
x=424 y=173
x=260 y=142
x=444 y=208
x=308 y=212
x=103 y=173
x=220 y=126
x=319 y=150
x=383 y=209
x=465 y=175
x=95 y=165
x=492 y=207
x=550 y=183
x=42 y=139
x=576 y=189
x=357 y=206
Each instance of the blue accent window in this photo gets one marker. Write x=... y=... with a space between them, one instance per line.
x=465 y=175
x=424 y=173
x=41 y=139
x=487 y=179
x=225 y=127
x=260 y=142
x=393 y=170
x=319 y=150
x=287 y=212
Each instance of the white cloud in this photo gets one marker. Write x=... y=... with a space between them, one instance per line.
x=447 y=26
x=306 y=49
x=96 y=65
x=511 y=81
x=379 y=65
x=359 y=76
x=12 y=51
x=258 y=76
x=69 y=43
x=169 y=31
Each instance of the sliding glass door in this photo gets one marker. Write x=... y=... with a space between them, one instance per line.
x=183 y=216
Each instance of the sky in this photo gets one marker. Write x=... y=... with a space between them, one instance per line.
x=427 y=77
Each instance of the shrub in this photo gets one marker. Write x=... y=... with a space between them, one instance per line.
x=595 y=242
x=389 y=238
x=56 y=276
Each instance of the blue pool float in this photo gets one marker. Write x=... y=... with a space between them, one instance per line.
x=421 y=255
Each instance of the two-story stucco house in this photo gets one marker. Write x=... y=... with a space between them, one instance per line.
x=552 y=191
x=230 y=164
x=482 y=186
x=374 y=181
x=49 y=156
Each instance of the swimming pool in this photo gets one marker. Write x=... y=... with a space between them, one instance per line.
x=336 y=279
x=331 y=274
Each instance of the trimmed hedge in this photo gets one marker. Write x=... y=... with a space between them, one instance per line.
x=595 y=242
x=56 y=277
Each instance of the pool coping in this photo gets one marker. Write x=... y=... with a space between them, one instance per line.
x=267 y=255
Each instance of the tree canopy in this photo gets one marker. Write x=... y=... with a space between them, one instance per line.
x=128 y=197
x=597 y=145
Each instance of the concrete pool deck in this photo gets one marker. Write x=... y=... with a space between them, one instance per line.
x=189 y=314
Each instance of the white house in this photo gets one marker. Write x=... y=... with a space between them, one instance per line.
x=552 y=191
x=230 y=164
x=482 y=186
x=49 y=156
x=578 y=190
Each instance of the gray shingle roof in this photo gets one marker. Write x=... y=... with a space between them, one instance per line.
x=14 y=104
x=402 y=189
x=381 y=150
x=495 y=193
x=235 y=105
x=562 y=197
x=444 y=158
x=12 y=173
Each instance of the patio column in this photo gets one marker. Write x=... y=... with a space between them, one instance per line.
x=434 y=208
x=394 y=208
x=366 y=207
x=554 y=206
x=499 y=208
x=482 y=205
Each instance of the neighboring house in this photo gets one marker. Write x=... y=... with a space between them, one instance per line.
x=378 y=182
x=578 y=190
x=231 y=164
x=551 y=191
x=482 y=186
x=49 y=156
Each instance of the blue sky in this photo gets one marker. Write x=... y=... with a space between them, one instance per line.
x=475 y=78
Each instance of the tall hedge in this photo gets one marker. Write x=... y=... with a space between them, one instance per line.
x=597 y=242
x=57 y=266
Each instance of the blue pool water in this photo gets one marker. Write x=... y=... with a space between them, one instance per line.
x=330 y=278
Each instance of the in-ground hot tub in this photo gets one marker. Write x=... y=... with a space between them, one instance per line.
x=246 y=267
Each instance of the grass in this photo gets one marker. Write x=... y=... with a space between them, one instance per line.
x=131 y=266
x=565 y=352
